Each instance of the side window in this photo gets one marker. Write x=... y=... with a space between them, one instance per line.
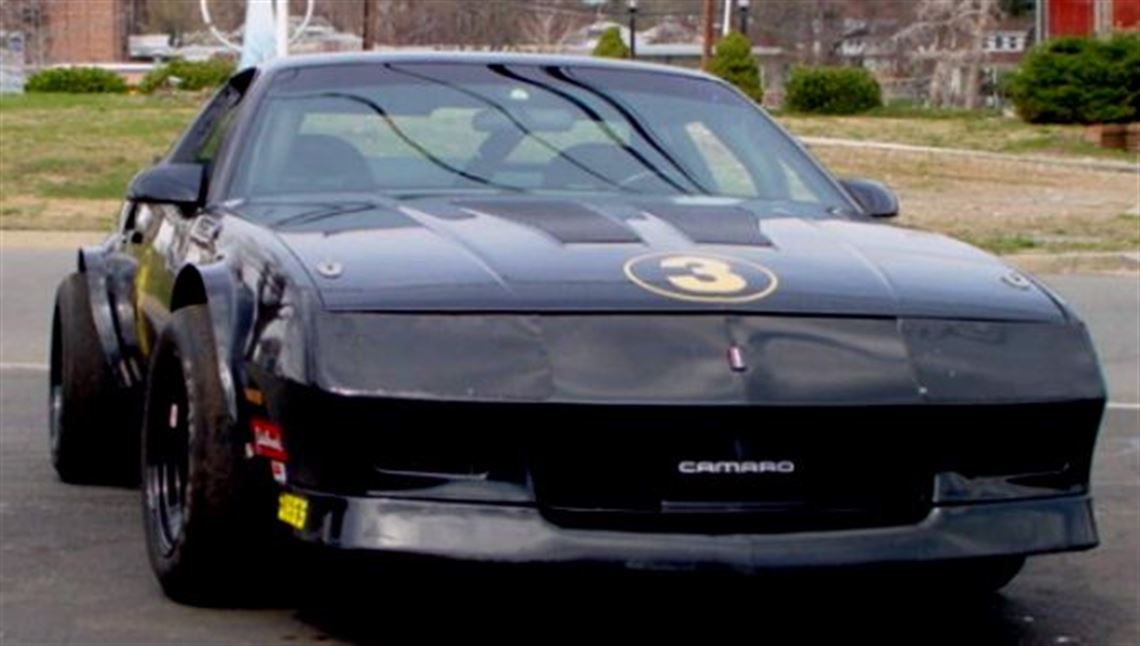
x=213 y=141
x=796 y=188
x=207 y=149
x=729 y=173
x=203 y=140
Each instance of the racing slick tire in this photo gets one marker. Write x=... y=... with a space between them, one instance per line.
x=209 y=531
x=89 y=419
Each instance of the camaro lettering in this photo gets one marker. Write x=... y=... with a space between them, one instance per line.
x=693 y=467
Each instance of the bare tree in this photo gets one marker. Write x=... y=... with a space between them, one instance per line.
x=948 y=39
x=548 y=26
x=809 y=30
x=174 y=17
x=408 y=22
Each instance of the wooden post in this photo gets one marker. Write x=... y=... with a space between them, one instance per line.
x=708 y=16
x=368 y=38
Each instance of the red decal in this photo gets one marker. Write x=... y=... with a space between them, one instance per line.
x=267 y=440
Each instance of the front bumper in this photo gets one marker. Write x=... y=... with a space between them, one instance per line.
x=508 y=533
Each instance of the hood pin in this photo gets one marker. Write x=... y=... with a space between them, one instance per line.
x=1016 y=280
x=330 y=269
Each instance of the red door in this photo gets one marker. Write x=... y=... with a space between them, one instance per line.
x=1126 y=14
x=1072 y=17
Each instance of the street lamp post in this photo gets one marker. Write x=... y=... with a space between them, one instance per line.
x=632 y=5
x=742 y=7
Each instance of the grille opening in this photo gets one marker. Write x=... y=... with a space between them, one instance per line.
x=616 y=467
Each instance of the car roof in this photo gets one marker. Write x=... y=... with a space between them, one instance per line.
x=471 y=58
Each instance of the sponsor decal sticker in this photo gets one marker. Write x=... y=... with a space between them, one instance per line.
x=254 y=396
x=701 y=277
x=280 y=474
x=292 y=510
x=267 y=440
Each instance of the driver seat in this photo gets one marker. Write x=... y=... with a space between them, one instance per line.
x=325 y=163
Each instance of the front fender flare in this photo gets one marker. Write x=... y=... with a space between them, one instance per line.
x=231 y=309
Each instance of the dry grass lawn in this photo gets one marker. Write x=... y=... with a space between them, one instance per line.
x=1005 y=207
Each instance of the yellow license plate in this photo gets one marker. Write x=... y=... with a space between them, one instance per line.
x=292 y=510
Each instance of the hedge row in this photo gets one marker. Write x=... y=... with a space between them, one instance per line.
x=188 y=75
x=832 y=90
x=1079 y=80
x=76 y=80
x=176 y=74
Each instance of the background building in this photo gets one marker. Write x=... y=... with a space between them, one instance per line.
x=86 y=31
x=1086 y=17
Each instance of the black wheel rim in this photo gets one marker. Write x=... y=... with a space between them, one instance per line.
x=55 y=391
x=55 y=416
x=167 y=456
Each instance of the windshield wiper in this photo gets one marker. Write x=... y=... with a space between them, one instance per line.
x=324 y=212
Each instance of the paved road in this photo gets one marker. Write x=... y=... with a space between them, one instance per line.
x=73 y=568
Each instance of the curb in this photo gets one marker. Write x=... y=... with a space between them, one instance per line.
x=48 y=239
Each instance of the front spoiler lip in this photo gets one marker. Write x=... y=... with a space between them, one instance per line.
x=507 y=533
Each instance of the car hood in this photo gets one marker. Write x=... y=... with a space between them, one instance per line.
x=527 y=254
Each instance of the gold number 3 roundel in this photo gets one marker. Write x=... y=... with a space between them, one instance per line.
x=701 y=277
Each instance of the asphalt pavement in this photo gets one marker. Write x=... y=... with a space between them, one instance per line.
x=73 y=567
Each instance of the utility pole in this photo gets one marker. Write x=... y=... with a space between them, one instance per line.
x=708 y=17
x=368 y=38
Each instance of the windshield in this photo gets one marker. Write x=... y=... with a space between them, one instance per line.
x=402 y=128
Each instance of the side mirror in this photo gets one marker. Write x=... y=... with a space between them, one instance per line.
x=877 y=200
x=179 y=184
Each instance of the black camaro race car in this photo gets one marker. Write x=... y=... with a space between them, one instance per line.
x=543 y=309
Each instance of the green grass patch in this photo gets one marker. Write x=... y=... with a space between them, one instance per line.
x=1056 y=235
x=1004 y=244
x=910 y=110
x=84 y=146
x=66 y=159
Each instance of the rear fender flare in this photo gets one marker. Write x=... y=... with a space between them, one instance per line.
x=92 y=263
x=121 y=270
